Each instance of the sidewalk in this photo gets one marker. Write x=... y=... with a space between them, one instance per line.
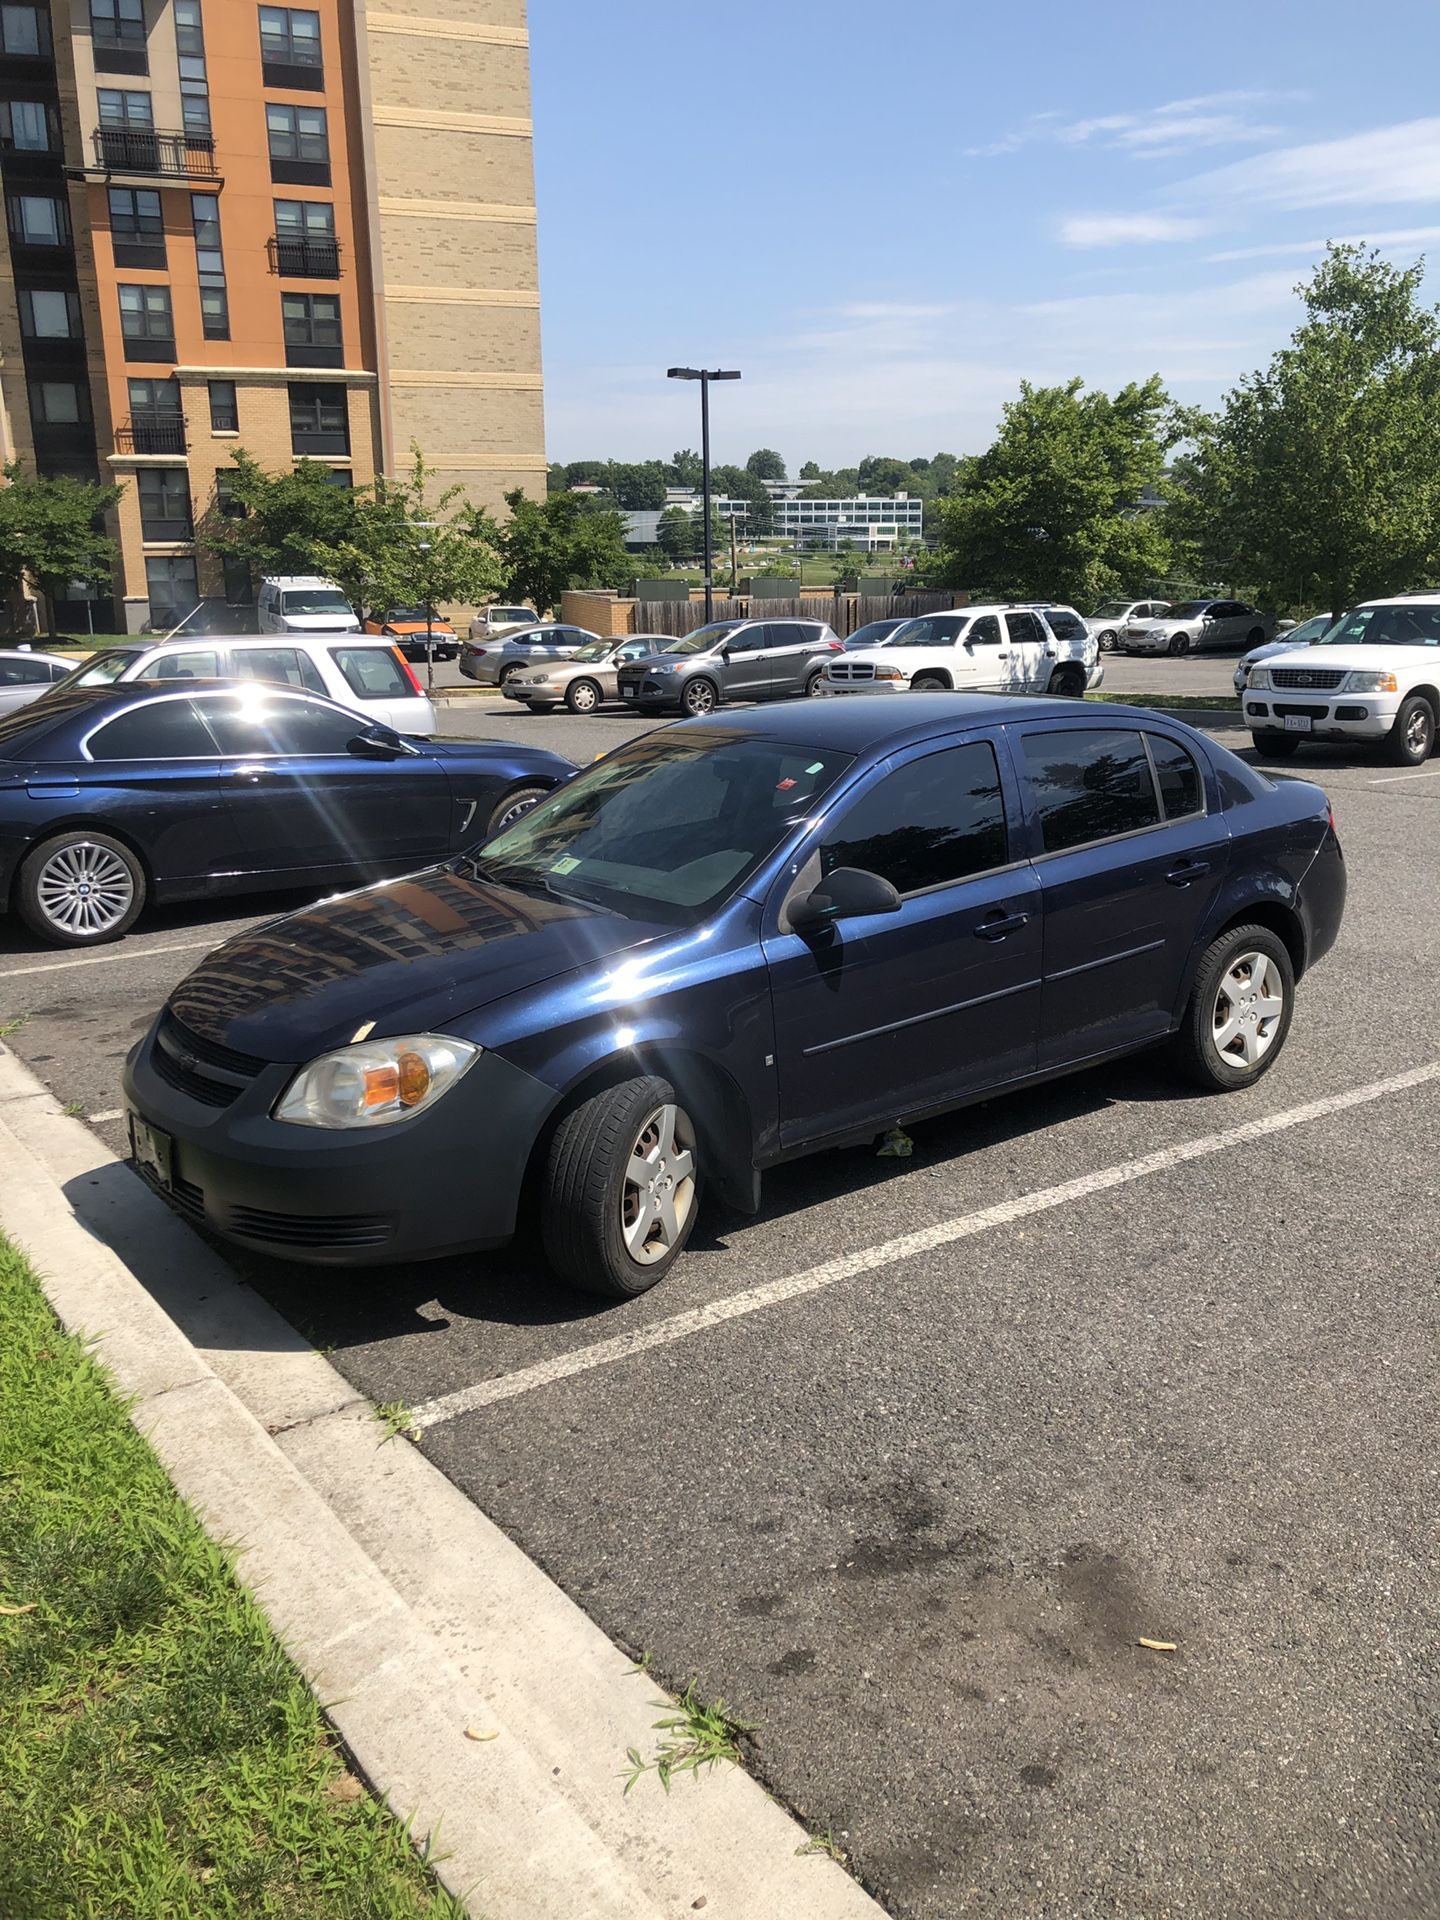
x=416 y=1621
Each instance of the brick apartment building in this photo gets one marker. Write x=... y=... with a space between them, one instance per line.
x=307 y=231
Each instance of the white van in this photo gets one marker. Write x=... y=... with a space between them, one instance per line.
x=304 y=603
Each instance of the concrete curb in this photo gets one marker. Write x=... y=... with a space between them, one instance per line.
x=411 y=1615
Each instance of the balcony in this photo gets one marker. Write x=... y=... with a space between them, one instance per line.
x=152 y=433
x=304 y=259
x=138 y=150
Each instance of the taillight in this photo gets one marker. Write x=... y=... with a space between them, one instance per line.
x=836 y=646
x=407 y=670
x=1330 y=816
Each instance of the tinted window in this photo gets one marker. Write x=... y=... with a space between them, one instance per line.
x=198 y=664
x=253 y=725
x=1024 y=627
x=1065 y=626
x=749 y=640
x=984 y=632
x=373 y=673
x=282 y=666
x=160 y=730
x=1090 y=786
x=934 y=820
x=1181 y=791
x=25 y=673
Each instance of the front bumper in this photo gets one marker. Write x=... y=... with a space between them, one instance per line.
x=1095 y=677
x=524 y=690
x=864 y=686
x=1338 y=716
x=447 y=1181
x=1145 y=642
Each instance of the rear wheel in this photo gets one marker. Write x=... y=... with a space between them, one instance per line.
x=929 y=683
x=1239 y=1012
x=814 y=684
x=1275 y=746
x=700 y=696
x=507 y=674
x=1068 y=683
x=1411 y=739
x=80 y=889
x=1179 y=645
x=1255 y=637
x=582 y=696
x=519 y=800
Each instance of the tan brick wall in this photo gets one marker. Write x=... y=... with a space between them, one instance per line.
x=428 y=250
x=602 y=613
x=447 y=336
x=448 y=164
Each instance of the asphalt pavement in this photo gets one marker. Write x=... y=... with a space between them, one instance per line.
x=908 y=1467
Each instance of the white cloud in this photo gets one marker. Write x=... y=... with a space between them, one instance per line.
x=1175 y=126
x=1127 y=229
x=1387 y=166
x=1394 y=238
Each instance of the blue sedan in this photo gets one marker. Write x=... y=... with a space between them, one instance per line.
x=732 y=941
x=111 y=797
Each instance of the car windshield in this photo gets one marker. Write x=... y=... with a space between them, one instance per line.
x=1410 y=626
x=929 y=630
x=1308 y=632
x=101 y=669
x=410 y=613
x=1112 y=610
x=703 y=638
x=595 y=650
x=317 y=600
x=1190 y=609
x=667 y=827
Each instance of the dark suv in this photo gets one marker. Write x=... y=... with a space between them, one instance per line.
x=731 y=660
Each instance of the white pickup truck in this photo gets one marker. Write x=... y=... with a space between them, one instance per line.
x=1375 y=676
x=1038 y=648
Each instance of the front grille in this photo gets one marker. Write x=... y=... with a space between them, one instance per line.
x=183 y=1195
x=851 y=670
x=1311 y=713
x=1321 y=679
x=207 y=1072
x=339 y=1230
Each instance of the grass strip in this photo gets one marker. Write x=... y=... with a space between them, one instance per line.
x=1171 y=702
x=160 y=1758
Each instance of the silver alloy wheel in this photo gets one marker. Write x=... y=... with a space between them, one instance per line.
x=512 y=814
x=83 y=888
x=658 y=1192
x=814 y=686
x=1417 y=731
x=699 y=697
x=1108 y=642
x=1249 y=1005
x=584 y=696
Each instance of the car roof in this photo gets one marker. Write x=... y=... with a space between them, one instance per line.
x=851 y=725
x=36 y=653
x=1420 y=594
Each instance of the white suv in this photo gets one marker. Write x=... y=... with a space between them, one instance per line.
x=1375 y=676
x=355 y=670
x=991 y=649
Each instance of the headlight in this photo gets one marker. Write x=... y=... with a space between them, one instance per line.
x=888 y=673
x=661 y=669
x=1371 y=683
x=1259 y=679
x=375 y=1084
x=391 y=631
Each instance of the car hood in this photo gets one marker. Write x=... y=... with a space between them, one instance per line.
x=1270 y=648
x=410 y=956
x=419 y=626
x=1362 y=659
x=320 y=623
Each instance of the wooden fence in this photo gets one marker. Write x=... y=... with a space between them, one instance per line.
x=845 y=612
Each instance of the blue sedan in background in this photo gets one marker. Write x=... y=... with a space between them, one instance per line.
x=732 y=941
x=114 y=796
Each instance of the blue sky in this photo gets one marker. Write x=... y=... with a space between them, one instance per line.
x=889 y=216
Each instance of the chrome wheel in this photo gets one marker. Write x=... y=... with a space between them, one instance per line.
x=1418 y=728
x=1108 y=642
x=658 y=1191
x=815 y=685
x=513 y=812
x=85 y=889
x=699 y=698
x=1249 y=1006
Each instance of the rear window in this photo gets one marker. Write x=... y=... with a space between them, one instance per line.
x=25 y=673
x=1064 y=625
x=160 y=730
x=197 y=663
x=1181 y=791
x=1090 y=785
x=372 y=673
x=279 y=666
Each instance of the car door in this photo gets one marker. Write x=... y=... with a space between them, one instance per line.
x=886 y=1016
x=744 y=664
x=1032 y=653
x=981 y=659
x=790 y=646
x=275 y=666
x=153 y=773
x=181 y=663
x=609 y=674
x=299 y=800
x=1131 y=849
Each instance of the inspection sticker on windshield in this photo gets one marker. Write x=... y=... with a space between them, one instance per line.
x=567 y=864
x=819 y=767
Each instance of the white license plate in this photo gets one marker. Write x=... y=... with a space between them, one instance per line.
x=153 y=1150
x=1297 y=723
x=629 y=692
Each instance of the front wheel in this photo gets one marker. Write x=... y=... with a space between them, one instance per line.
x=621 y=1189
x=1108 y=642
x=1239 y=1012
x=1411 y=739
x=1275 y=746
x=508 y=811
x=1179 y=646
x=928 y=683
x=582 y=696
x=80 y=889
x=701 y=696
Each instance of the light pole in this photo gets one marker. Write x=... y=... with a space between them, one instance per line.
x=704 y=375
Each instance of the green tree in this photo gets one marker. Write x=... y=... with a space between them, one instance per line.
x=50 y=533
x=1316 y=482
x=736 y=484
x=766 y=464
x=679 y=533
x=547 y=546
x=1050 y=510
x=839 y=484
x=284 y=522
x=880 y=474
x=415 y=548
x=686 y=468
x=809 y=471
x=638 y=487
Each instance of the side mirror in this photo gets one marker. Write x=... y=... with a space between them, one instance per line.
x=847 y=893
x=375 y=744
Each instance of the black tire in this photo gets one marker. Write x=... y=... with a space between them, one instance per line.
x=1196 y=1053
x=509 y=808
x=1179 y=646
x=814 y=684
x=1068 y=683
x=39 y=879
x=1108 y=642
x=929 y=683
x=1275 y=746
x=540 y=706
x=584 y=1194
x=1411 y=740
x=1255 y=637
x=508 y=673
x=583 y=696
x=700 y=696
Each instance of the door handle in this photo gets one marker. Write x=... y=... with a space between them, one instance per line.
x=1191 y=870
x=252 y=776
x=1002 y=656
x=1001 y=925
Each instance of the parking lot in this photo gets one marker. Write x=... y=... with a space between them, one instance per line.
x=906 y=1467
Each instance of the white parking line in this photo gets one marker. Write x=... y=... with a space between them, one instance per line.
x=121 y=953
x=1415 y=773
x=604 y=1353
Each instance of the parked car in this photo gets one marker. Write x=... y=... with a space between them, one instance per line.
x=1109 y=621
x=730 y=660
x=491 y=620
x=728 y=943
x=1374 y=677
x=415 y=633
x=25 y=675
x=303 y=603
x=372 y=679
x=994 y=649
x=1196 y=626
x=587 y=679
x=115 y=797
x=491 y=662
x=873 y=634
x=1303 y=635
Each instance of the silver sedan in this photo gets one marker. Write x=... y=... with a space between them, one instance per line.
x=492 y=661
x=25 y=675
x=586 y=679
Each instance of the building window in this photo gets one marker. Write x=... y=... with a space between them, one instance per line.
x=39 y=220
x=225 y=501
x=319 y=420
x=224 y=407
x=173 y=588
x=28 y=126
x=137 y=227
x=165 y=503
x=189 y=28
x=340 y=477
x=312 y=329
x=210 y=262
x=194 y=81
x=125 y=107
x=304 y=241
x=25 y=30
x=195 y=110
x=59 y=403
x=290 y=47
x=118 y=23
x=215 y=313
x=239 y=583
x=49 y=315
x=147 y=323
x=299 y=145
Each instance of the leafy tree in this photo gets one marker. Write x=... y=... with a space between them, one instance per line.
x=1316 y=483
x=879 y=474
x=285 y=521
x=639 y=487
x=587 y=473
x=50 y=532
x=411 y=550
x=679 y=533
x=686 y=468
x=809 y=471
x=737 y=484
x=1050 y=510
x=556 y=480
x=766 y=464
x=547 y=546
x=840 y=484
